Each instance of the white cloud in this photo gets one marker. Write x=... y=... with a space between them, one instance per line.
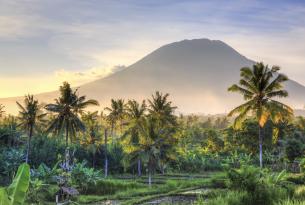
x=81 y=77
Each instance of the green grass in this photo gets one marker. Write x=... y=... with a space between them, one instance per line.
x=136 y=192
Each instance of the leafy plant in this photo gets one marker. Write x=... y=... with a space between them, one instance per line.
x=15 y=194
x=83 y=177
x=46 y=174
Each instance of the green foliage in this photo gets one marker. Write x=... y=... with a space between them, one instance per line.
x=15 y=194
x=46 y=174
x=84 y=177
x=299 y=192
x=35 y=190
x=67 y=107
x=290 y=202
x=230 y=198
x=112 y=186
x=10 y=159
x=46 y=150
x=294 y=149
x=260 y=187
x=17 y=190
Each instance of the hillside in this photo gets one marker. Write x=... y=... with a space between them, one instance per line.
x=196 y=73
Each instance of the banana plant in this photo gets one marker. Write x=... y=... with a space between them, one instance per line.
x=15 y=194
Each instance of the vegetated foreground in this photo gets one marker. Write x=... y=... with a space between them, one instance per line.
x=142 y=153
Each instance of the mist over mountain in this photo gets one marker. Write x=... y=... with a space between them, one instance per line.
x=196 y=73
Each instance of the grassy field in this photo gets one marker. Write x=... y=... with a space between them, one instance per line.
x=127 y=190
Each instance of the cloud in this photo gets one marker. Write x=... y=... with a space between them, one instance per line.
x=76 y=35
x=81 y=77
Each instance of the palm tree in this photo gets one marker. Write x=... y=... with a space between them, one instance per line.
x=29 y=116
x=135 y=113
x=153 y=137
x=116 y=114
x=259 y=86
x=67 y=109
x=162 y=109
x=92 y=136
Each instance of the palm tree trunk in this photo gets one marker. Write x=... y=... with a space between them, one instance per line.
x=67 y=154
x=260 y=136
x=139 y=168
x=106 y=157
x=149 y=178
x=149 y=173
x=29 y=145
x=67 y=135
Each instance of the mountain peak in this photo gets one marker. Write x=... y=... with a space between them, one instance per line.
x=196 y=73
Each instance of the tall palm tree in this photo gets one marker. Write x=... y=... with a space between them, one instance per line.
x=92 y=136
x=116 y=114
x=154 y=136
x=67 y=109
x=135 y=114
x=30 y=115
x=259 y=86
x=161 y=108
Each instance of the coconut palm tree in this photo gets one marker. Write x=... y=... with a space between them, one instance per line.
x=116 y=114
x=135 y=114
x=30 y=115
x=259 y=85
x=67 y=109
x=161 y=108
x=92 y=137
x=153 y=137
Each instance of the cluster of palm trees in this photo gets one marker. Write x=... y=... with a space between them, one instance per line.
x=65 y=114
x=148 y=127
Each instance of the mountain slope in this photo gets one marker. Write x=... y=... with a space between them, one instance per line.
x=196 y=73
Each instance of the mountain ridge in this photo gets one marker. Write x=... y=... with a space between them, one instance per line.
x=195 y=72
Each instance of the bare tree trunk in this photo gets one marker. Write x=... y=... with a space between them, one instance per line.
x=29 y=145
x=139 y=168
x=106 y=157
x=260 y=135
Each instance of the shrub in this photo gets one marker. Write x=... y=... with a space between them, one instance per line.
x=84 y=177
x=293 y=149
x=260 y=187
x=10 y=159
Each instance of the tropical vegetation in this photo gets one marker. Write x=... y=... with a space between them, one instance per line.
x=71 y=151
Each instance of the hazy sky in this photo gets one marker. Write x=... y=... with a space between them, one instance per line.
x=43 y=42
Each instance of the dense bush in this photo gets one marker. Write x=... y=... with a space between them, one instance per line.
x=196 y=161
x=260 y=187
x=10 y=159
x=46 y=150
x=84 y=177
x=294 y=149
